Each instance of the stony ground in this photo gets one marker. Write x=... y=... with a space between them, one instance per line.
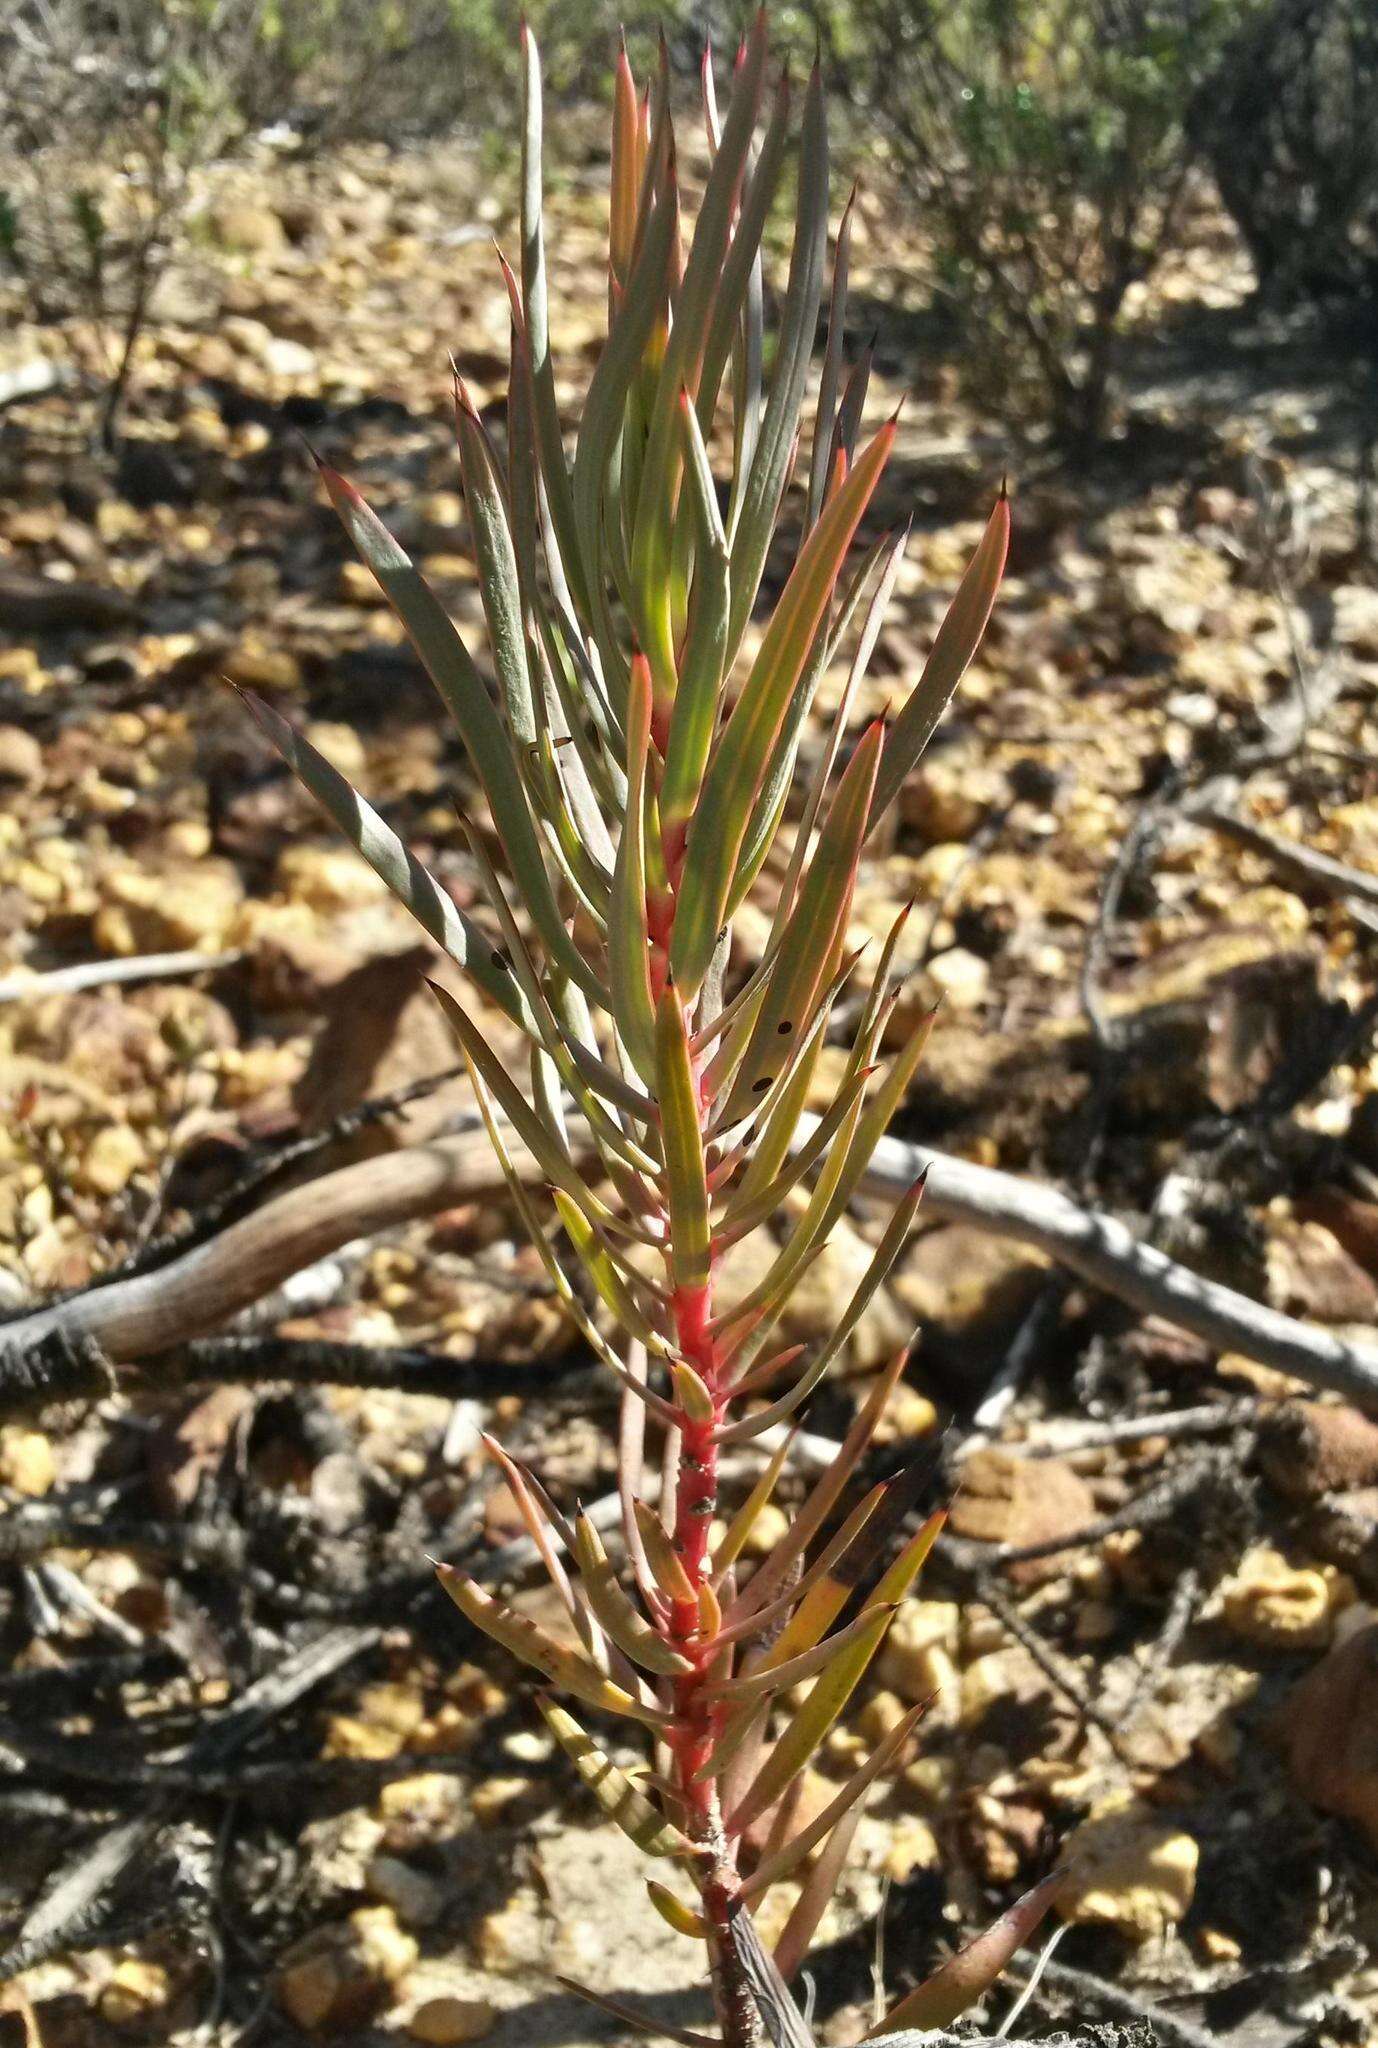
x=1138 y=1005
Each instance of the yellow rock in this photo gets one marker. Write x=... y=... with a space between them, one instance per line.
x=339 y=1977
x=1129 y=1870
x=996 y=1676
x=1219 y=1947
x=918 y=1657
x=328 y=878
x=382 y=1943
x=112 y=1159
x=310 y=1988
x=913 y=1846
x=345 y=1735
x=906 y=1414
x=512 y=1938
x=882 y=1712
x=136 y=1989
x=445 y=2022
x=769 y=1530
x=928 y=1782
x=26 y=1460
x=492 y=1801
x=1269 y=1601
x=146 y=911
x=357 y=586
x=400 y=1707
x=962 y=978
x=340 y=744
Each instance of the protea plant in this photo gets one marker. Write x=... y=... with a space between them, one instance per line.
x=638 y=768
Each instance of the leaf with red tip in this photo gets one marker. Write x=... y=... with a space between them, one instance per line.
x=739 y=764
x=450 y=666
x=433 y=907
x=528 y=1642
x=958 y=638
x=953 y=1989
x=686 y=1183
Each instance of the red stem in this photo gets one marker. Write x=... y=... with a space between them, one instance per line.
x=697 y=1718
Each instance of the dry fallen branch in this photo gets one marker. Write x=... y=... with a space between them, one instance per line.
x=66 y=1349
x=1297 y=864
x=88 y=974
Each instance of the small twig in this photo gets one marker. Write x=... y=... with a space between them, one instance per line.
x=1156 y=1504
x=25 y=988
x=281 y=1159
x=1061 y=1674
x=1063 y=1435
x=1186 y=1596
x=1297 y=863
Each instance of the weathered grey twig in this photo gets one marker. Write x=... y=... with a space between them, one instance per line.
x=1297 y=863
x=24 y=988
x=55 y=1352
x=73 y=1901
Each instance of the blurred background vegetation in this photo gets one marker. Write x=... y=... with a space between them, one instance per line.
x=1053 y=149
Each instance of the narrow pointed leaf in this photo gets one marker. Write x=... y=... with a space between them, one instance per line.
x=816 y=927
x=498 y=581
x=433 y=907
x=811 y=1722
x=527 y=1641
x=534 y=1134
x=910 y=1562
x=953 y=1989
x=892 y=1243
x=653 y=2026
x=613 y=1789
x=596 y=1259
x=744 y=1521
x=691 y=1392
x=739 y=765
x=673 y=1911
x=626 y=1625
x=669 y=1573
x=832 y=364
x=773 y=1573
x=958 y=638
x=772 y=1677
x=535 y=303
x=788 y=1858
x=754 y=516
x=793 y=1946
x=448 y=663
x=628 y=937
x=685 y=1178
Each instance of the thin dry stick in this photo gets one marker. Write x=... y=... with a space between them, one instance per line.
x=201 y=1290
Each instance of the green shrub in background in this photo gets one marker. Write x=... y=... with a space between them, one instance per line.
x=1048 y=147
x=108 y=106
x=1290 y=130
